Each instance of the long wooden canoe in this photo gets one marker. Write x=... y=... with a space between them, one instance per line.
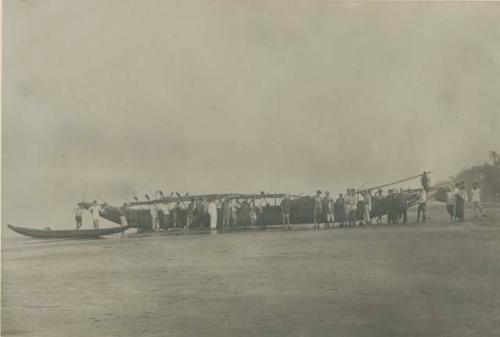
x=67 y=234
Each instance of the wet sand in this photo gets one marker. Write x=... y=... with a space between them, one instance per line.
x=433 y=279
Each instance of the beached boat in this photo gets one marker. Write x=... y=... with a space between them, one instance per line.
x=67 y=234
x=268 y=211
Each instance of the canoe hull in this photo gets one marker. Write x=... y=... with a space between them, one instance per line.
x=66 y=234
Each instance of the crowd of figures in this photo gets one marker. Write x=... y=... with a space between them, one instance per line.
x=358 y=209
x=457 y=197
x=354 y=208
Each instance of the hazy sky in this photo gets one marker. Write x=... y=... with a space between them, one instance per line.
x=219 y=96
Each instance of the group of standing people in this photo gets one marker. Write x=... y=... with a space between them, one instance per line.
x=205 y=212
x=362 y=208
x=94 y=210
x=457 y=197
x=354 y=208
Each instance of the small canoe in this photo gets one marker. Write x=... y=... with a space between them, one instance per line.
x=67 y=234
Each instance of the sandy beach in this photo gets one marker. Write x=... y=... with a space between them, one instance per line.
x=432 y=279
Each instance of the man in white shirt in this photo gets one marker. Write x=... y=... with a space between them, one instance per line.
x=329 y=210
x=476 y=199
x=212 y=211
x=421 y=205
x=155 y=223
x=351 y=205
x=367 y=207
x=94 y=212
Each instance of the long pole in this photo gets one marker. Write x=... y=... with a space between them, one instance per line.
x=395 y=182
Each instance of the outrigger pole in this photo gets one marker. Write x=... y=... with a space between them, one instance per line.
x=395 y=182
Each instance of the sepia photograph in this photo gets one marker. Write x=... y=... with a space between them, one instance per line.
x=250 y=168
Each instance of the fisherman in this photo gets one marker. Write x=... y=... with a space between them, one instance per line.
x=78 y=216
x=351 y=206
x=235 y=206
x=328 y=204
x=476 y=199
x=285 y=212
x=190 y=214
x=123 y=210
x=212 y=211
x=403 y=206
x=367 y=207
x=425 y=181
x=422 y=200
x=450 y=203
x=203 y=212
x=175 y=213
x=253 y=212
x=226 y=212
x=455 y=192
x=377 y=203
x=460 y=200
x=317 y=209
x=339 y=210
x=153 y=210
x=123 y=214
x=391 y=203
x=94 y=212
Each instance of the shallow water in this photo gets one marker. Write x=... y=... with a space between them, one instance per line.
x=436 y=279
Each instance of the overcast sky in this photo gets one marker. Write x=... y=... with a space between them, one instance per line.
x=220 y=96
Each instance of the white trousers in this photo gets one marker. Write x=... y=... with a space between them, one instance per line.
x=213 y=220
x=155 y=223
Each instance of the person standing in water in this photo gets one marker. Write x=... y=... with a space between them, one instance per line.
x=285 y=212
x=450 y=203
x=476 y=199
x=318 y=210
x=455 y=192
x=460 y=200
x=190 y=214
x=378 y=202
x=253 y=213
x=403 y=206
x=339 y=210
x=421 y=205
x=123 y=214
x=235 y=207
x=329 y=210
x=226 y=212
x=367 y=207
x=78 y=216
x=123 y=217
x=351 y=206
x=155 y=223
x=212 y=211
x=94 y=212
